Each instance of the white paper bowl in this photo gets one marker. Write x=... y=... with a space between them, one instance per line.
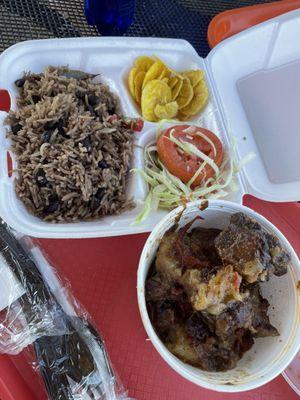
x=269 y=356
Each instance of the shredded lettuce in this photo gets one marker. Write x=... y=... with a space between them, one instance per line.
x=168 y=191
x=192 y=129
x=146 y=209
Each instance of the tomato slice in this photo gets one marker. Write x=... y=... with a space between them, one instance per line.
x=183 y=165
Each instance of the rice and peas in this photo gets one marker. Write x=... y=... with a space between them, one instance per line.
x=73 y=151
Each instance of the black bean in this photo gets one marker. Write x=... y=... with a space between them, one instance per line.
x=96 y=199
x=61 y=128
x=51 y=125
x=35 y=98
x=20 y=82
x=111 y=109
x=40 y=178
x=16 y=128
x=53 y=205
x=95 y=203
x=62 y=132
x=80 y=95
x=85 y=163
x=91 y=110
x=46 y=136
x=102 y=164
x=87 y=144
x=59 y=125
x=93 y=99
x=100 y=193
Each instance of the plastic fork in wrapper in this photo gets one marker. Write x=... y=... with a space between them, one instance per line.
x=38 y=313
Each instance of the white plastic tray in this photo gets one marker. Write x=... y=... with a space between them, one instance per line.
x=225 y=67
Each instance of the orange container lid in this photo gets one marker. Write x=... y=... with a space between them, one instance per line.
x=230 y=22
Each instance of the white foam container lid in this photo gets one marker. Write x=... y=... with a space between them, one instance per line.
x=254 y=80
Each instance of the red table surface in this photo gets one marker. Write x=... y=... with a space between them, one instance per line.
x=102 y=274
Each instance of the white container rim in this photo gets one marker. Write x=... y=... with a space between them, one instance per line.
x=291 y=349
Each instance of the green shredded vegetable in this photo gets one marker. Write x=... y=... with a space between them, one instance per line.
x=168 y=191
x=146 y=209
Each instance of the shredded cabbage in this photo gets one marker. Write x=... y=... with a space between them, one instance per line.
x=146 y=209
x=168 y=191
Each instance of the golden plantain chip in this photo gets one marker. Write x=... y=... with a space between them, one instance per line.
x=176 y=89
x=131 y=77
x=166 y=80
x=143 y=63
x=195 y=105
x=198 y=101
x=195 y=76
x=182 y=117
x=165 y=74
x=155 y=92
x=138 y=82
x=154 y=72
x=172 y=81
x=201 y=87
x=185 y=95
x=166 y=111
x=170 y=70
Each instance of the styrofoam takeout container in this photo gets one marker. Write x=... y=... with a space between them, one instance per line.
x=269 y=356
x=253 y=80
